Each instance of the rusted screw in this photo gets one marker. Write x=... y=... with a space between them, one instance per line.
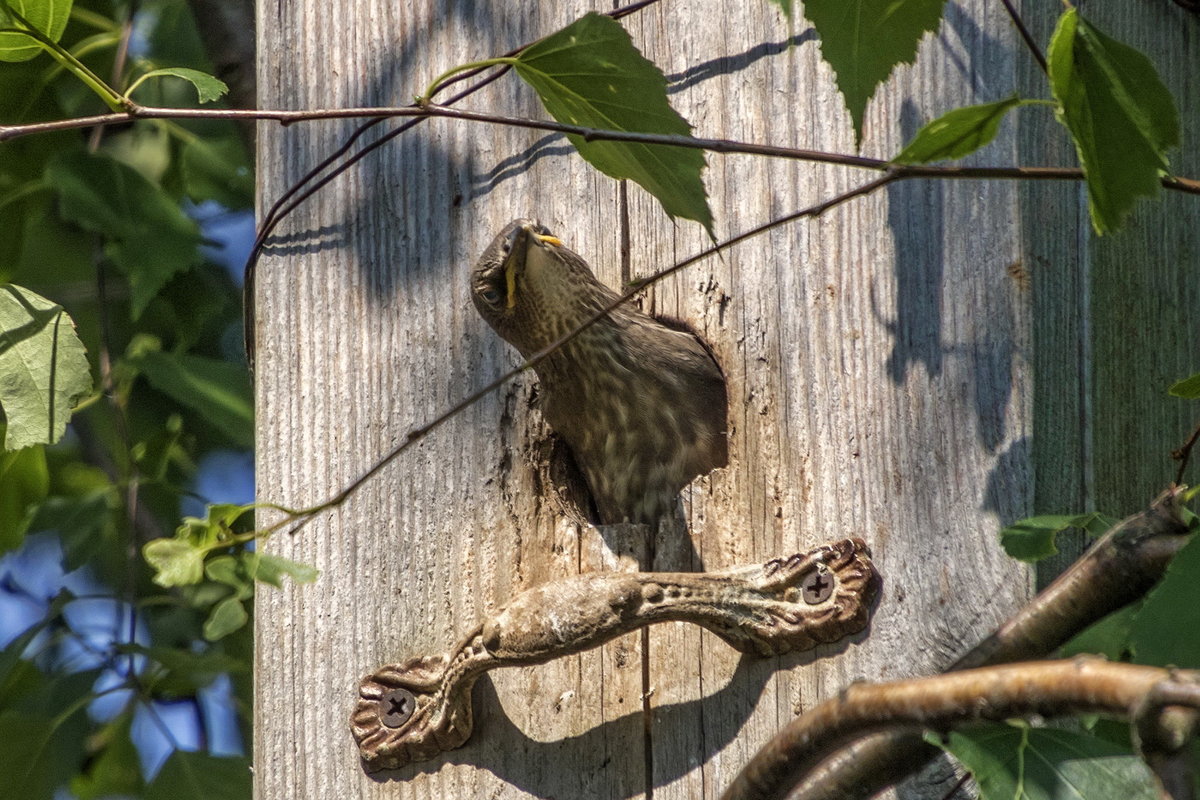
x=816 y=587
x=396 y=707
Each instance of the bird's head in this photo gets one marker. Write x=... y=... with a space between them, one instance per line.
x=531 y=289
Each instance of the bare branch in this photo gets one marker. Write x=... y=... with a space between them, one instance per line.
x=1184 y=454
x=1040 y=688
x=1188 y=185
x=1026 y=36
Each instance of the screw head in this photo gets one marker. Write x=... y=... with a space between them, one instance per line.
x=396 y=707
x=816 y=586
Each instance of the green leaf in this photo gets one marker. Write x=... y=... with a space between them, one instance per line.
x=1032 y=539
x=80 y=522
x=232 y=572
x=1164 y=631
x=1188 y=388
x=1108 y=637
x=176 y=562
x=162 y=448
x=24 y=482
x=144 y=146
x=226 y=617
x=271 y=569
x=179 y=672
x=31 y=760
x=43 y=369
x=180 y=561
x=116 y=770
x=1011 y=762
x=218 y=522
x=218 y=169
x=219 y=390
x=590 y=74
x=43 y=728
x=145 y=232
x=957 y=133
x=864 y=40
x=208 y=88
x=48 y=16
x=1120 y=115
x=199 y=776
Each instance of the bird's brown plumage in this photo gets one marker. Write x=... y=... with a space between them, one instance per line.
x=641 y=405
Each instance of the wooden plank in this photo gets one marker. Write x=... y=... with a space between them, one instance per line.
x=366 y=330
x=1146 y=288
x=877 y=361
x=1114 y=316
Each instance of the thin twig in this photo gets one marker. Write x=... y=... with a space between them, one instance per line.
x=116 y=403
x=1188 y=185
x=278 y=209
x=1184 y=453
x=1026 y=35
x=300 y=191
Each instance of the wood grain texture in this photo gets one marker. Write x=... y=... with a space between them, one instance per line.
x=878 y=362
x=1114 y=316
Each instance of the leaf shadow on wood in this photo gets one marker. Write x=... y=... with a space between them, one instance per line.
x=1009 y=475
x=589 y=764
x=727 y=65
x=916 y=216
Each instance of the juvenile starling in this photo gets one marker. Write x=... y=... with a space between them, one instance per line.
x=640 y=404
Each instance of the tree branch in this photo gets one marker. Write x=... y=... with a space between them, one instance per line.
x=1119 y=568
x=1042 y=688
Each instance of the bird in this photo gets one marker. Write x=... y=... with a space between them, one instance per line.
x=640 y=403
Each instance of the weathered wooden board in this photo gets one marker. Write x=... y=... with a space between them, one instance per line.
x=879 y=362
x=1114 y=317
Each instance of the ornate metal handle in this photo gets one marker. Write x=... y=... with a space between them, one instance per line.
x=414 y=710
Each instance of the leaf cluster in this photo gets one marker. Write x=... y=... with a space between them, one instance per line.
x=111 y=395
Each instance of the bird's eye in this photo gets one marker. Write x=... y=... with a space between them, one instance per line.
x=490 y=295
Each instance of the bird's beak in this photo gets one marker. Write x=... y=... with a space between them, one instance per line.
x=516 y=258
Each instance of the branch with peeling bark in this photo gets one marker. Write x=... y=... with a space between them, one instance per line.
x=1119 y=568
x=1158 y=701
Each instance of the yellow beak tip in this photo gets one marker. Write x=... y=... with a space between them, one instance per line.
x=554 y=240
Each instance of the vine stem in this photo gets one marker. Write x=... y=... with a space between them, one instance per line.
x=435 y=85
x=1182 y=184
x=110 y=96
x=1026 y=36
